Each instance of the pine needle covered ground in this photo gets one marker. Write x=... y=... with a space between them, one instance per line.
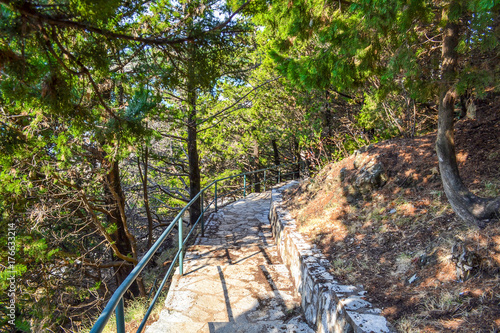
x=397 y=240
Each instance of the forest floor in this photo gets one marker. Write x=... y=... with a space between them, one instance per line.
x=397 y=240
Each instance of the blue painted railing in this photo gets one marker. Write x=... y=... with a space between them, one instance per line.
x=116 y=302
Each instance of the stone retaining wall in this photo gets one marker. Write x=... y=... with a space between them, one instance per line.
x=328 y=305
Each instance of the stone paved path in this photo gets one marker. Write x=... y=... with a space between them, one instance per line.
x=233 y=279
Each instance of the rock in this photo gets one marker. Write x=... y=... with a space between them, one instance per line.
x=342 y=174
x=413 y=279
x=358 y=160
x=466 y=262
x=425 y=260
x=368 y=176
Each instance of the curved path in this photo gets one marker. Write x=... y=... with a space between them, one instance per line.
x=234 y=280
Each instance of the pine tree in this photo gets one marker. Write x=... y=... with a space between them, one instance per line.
x=390 y=46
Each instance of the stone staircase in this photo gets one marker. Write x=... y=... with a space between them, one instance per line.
x=234 y=280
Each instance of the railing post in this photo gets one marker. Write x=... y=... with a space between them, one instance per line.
x=202 y=217
x=215 y=201
x=264 y=180
x=120 y=317
x=244 y=185
x=181 y=240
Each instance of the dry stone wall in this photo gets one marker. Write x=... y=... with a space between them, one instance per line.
x=329 y=306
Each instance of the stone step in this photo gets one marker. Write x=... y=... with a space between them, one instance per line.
x=293 y=326
x=232 y=293
x=222 y=230
x=203 y=255
x=234 y=280
x=238 y=240
x=296 y=325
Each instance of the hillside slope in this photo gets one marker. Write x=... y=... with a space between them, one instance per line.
x=382 y=219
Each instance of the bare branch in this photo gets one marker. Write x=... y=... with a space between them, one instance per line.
x=221 y=119
x=172 y=193
x=168 y=173
x=105 y=265
x=172 y=136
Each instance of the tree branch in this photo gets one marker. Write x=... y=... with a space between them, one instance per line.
x=172 y=136
x=341 y=94
x=85 y=70
x=103 y=232
x=237 y=101
x=27 y=10
x=105 y=265
x=171 y=193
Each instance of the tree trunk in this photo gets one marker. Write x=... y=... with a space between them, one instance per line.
x=327 y=125
x=194 y=167
x=193 y=159
x=144 y=180
x=256 y=163
x=123 y=239
x=276 y=152
x=466 y=205
x=297 y=159
x=468 y=108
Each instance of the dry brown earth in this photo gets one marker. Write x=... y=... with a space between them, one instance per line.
x=397 y=240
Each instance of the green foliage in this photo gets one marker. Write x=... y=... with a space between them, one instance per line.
x=63 y=123
x=140 y=104
x=107 y=86
x=389 y=48
x=371 y=117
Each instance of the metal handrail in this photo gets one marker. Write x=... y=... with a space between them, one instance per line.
x=116 y=301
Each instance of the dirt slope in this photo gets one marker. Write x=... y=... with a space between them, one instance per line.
x=397 y=240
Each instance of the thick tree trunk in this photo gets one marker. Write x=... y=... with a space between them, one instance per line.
x=466 y=205
x=123 y=239
x=193 y=158
x=194 y=167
